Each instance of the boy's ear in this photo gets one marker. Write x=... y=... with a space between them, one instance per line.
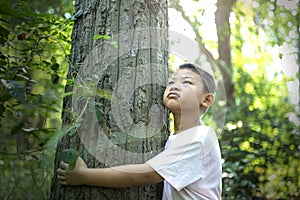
x=208 y=100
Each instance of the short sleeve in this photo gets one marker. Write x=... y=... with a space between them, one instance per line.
x=181 y=163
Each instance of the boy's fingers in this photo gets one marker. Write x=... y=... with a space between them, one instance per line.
x=61 y=178
x=61 y=171
x=63 y=182
x=63 y=165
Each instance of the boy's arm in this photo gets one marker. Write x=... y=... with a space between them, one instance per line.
x=121 y=176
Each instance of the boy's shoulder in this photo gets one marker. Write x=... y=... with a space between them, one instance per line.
x=199 y=134
x=205 y=133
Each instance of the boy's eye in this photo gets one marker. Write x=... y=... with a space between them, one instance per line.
x=187 y=82
x=171 y=82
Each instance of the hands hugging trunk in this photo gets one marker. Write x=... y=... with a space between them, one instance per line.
x=72 y=177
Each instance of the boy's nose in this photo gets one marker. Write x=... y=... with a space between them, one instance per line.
x=174 y=87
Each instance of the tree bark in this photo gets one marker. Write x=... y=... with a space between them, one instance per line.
x=222 y=14
x=118 y=82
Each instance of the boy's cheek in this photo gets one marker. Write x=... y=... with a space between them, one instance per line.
x=164 y=101
x=165 y=98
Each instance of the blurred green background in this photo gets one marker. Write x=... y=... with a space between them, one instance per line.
x=260 y=143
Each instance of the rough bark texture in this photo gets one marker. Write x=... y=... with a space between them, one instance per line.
x=222 y=14
x=128 y=83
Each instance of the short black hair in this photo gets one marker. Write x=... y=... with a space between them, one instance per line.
x=208 y=80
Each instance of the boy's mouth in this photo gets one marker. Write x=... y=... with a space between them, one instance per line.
x=173 y=95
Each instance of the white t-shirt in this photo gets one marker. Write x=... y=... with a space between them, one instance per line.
x=190 y=165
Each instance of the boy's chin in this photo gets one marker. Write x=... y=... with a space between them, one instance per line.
x=184 y=112
x=173 y=107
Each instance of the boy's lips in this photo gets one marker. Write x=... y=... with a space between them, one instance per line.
x=172 y=95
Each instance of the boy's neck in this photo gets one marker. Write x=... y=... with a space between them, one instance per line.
x=184 y=123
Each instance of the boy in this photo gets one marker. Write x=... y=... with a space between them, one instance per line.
x=190 y=165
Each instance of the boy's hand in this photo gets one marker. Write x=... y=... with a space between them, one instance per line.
x=71 y=177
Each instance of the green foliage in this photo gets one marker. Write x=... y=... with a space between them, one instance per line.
x=25 y=176
x=56 y=7
x=34 y=52
x=278 y=19
x=33 y=67
x=260 y=145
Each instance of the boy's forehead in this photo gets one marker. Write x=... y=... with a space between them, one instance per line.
x=184 y=73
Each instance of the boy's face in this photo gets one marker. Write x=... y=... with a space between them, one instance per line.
x=184 y=92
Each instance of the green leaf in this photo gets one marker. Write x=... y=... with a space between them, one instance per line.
x=72 y=131
x=16 y=89
x=69 y=156
x=99 y=114
x=55 y=67
x=17 y=128
x=6 y=9
x=55 y=79
x=2 y=109
x=53 y=60
x=77 y=15
x=97 y=37
x=2 y=62
x=46 y=62
x=67 y=94
x=3 y=20
x=4 y=32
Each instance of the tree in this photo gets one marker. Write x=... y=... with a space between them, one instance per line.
x=119 y=55
x=224 y=48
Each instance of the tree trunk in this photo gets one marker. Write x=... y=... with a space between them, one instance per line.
x=222 y=14
x=115 y=114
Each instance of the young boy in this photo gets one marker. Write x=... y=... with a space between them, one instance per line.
x=190 y=165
